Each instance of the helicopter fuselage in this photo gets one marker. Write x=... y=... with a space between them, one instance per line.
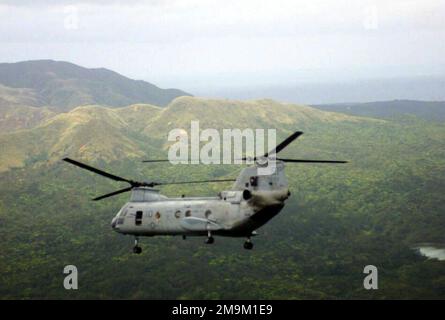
x=232 y=213
x=252 y=201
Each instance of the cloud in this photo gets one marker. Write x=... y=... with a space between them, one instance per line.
x=44 y=3
x=199 y=37
x=162 y=21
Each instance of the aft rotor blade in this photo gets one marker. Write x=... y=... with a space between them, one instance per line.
x=112 y=193
x=187 y=182
x=102 y=173
x=312 y=161
x=285 y=143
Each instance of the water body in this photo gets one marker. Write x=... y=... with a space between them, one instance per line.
x=432 y=251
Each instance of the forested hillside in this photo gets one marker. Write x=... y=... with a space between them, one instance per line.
x=340 y=218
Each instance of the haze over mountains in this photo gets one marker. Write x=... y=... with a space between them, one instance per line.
x=307 y=88
x=427 y=110
x=63 y=85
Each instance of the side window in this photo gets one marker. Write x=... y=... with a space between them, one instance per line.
x=138 y=218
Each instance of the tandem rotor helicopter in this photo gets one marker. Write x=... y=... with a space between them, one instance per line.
x=250 y=203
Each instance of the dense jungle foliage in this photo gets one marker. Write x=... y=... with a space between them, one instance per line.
x=340 y=218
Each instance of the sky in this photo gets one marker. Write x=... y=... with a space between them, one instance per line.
x=201 y=44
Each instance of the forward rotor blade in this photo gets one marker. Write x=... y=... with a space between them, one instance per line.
x=165 y=160
x=97 y=171
x=312 y=161
x=156 y=160
x=285 y=143
x=112 y=193
x=187 y=182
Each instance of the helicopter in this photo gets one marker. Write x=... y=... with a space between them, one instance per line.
x=250 y=203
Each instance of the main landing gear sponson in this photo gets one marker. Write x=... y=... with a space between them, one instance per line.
x=248 y=245
x=136 y=248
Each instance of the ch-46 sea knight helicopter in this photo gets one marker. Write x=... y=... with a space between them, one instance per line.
x=250 y=203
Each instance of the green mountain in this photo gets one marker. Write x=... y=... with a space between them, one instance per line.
x=63 y=85
x=99 y=133
x=428 y=110
x=90 y=132
x=340 y=218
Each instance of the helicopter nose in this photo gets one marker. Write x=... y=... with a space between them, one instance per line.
x=113 y=223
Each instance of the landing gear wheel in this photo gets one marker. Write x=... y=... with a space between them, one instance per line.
x=248 y=245
x=136 y=248
x=209 y=239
